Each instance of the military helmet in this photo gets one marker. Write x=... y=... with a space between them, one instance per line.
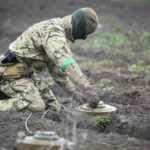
x=84 y=21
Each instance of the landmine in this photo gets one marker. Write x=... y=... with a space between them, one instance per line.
x=102 y=109
x=44 y=140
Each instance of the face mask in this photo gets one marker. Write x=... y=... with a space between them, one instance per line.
x=78 y=25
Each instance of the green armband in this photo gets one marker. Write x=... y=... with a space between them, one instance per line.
x=67 y=62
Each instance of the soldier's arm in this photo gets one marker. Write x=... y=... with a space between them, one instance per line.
x=61 y=78
x=58 y=51
x=74 y=72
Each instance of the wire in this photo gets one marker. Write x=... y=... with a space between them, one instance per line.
x=26 y=124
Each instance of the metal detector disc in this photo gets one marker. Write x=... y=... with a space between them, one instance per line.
x=101 y=109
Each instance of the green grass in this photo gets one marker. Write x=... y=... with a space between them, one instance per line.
x=118 y=28
x=103 y=82
x=101 y=121
x=147 y=34
x=92 y=65
x=106 y=61
x=119 y=44
x=128 y=50
x=144 y=38
x=139 y=66
x=146 y=51
x=130 y=139
x=117 y=39
x=118 y=69
x=108 y=88
x=97 y=85
x=110 y=40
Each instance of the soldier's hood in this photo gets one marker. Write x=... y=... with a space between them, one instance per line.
x=67 y=23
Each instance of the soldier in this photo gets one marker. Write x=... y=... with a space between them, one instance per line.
x=46 y=44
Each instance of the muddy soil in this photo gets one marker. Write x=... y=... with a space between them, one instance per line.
x=129 y=128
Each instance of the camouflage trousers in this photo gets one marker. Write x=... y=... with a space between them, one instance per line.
x=27 y=93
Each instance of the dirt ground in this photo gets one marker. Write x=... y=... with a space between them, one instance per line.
x=118 y=71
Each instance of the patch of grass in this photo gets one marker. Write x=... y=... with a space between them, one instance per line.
x=102 y=83
x=128 y=51
x=146 y=51
x=130 y=139
x=106 y=61
x=139 y=66
x=92 y=65
x=118 y=69
x=108 y=88
x=109 y=40
x=118 y=28
x=102 y=121
x=48 y=84
x=98 y=42
x=117 y=39
x=120 y=105
x=144 y=38
x=97 y=85
x=147 y=34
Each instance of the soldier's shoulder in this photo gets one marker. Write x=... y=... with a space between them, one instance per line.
x=49 y=24
x=54 y=21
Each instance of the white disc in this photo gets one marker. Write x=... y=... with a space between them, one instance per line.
x=101 y=109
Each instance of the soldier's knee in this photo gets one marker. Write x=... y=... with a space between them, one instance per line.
x=41 y=106
x=37 y=107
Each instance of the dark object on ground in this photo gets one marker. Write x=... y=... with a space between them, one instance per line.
x=93 y=104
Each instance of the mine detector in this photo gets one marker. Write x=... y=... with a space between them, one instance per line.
x=41 y=140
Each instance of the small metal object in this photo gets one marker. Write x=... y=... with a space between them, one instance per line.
x=102 y=109
x=40 y=140
x=46 y=135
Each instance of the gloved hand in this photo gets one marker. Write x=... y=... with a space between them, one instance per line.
x=92 y=96
x=78 y=96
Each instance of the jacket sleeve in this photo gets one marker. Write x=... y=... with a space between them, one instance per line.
x=59 y=52
x=61 y=78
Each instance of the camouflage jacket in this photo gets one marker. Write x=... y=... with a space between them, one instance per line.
x=46 y=45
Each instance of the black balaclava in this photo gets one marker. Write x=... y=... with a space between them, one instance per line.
x=78 y=25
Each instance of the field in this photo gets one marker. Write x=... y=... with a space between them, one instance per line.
x=116 y=60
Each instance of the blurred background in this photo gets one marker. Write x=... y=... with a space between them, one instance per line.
x=17 y=15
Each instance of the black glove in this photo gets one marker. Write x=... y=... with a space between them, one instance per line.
x=80 y=97
x=93 y=98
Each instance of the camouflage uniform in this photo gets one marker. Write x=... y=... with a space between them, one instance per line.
x=42 y=45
